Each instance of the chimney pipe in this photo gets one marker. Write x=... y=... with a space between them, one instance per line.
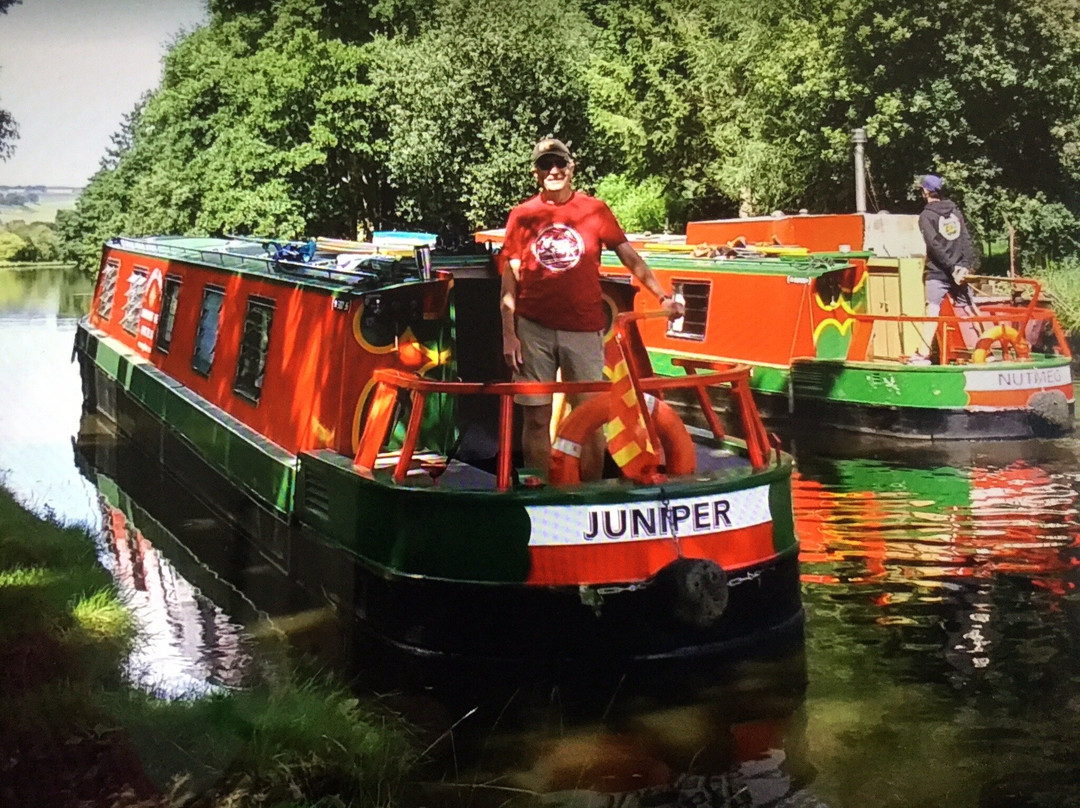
x=858 y=137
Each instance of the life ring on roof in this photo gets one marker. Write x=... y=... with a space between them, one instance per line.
x=582 y=423
x=1007 y=337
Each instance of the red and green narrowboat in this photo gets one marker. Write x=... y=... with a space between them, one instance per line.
x=348 y=404
x=827 y=310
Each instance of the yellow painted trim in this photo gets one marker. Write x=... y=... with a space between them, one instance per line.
x=842 y=327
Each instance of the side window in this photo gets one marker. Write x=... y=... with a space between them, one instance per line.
x=254 y=343
x=206 y=333
x=107 y=285
x=169 y=296
x=695 y=297
x=134 y=302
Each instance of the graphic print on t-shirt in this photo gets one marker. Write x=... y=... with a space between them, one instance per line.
x=558 y=247
x=949 y=226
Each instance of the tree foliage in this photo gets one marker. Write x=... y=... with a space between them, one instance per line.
x=465 y=100
x=305 y=117
x=9 y=129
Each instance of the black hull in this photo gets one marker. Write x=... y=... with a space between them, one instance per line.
x=451 y=621
x=922 y=424
x=823 y=419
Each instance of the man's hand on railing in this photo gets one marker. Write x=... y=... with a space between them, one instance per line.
x=673 y=307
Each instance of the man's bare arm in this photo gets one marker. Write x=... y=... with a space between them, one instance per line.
x=508 y=310
x=640 y=270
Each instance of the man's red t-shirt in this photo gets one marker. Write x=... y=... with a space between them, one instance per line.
x=559 y=248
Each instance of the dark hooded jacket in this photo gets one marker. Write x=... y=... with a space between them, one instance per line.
x=948 y=242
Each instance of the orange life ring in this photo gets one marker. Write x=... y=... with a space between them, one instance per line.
x=565 y=468
x=1009 y=339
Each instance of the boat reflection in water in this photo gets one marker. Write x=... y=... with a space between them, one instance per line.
x=945 y=544
x=200 y=592
x=676 y=734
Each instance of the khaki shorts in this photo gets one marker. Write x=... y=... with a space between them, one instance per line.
x=579 y=354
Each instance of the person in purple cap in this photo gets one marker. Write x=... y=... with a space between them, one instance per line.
x=950 y=258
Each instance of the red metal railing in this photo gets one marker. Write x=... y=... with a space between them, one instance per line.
x=388 y=382
x=947 y=327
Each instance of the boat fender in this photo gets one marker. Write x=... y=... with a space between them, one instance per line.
x=680 y=456
x=1051 y=409
x=1006 y=336
x=699 y=591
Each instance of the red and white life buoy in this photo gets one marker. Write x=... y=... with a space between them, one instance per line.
x=582 y=423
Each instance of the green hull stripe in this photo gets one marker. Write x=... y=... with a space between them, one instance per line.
x=934 y=387
x=255 y=464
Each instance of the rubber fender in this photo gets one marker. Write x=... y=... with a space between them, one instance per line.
x=1051 y=408
x=699 y=591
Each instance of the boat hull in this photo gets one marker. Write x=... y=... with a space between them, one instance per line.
x=952 y=402
x=995 y=401
x=374 y=553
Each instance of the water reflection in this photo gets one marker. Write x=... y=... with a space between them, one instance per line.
x=691 y=734
x=187 y=646
x=871 y=521
x=42 y=394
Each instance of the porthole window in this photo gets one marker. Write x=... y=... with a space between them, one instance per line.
x=254 y=344
x=107 y=289
x=169 y=297
x=695 y=298
x=207 y=331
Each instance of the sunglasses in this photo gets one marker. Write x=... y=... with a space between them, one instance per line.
x=550 y=161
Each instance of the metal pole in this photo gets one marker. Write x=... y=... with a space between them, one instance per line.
x=858 y=137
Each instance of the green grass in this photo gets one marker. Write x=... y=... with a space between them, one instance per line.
x=1061 y=283
x=72 y=724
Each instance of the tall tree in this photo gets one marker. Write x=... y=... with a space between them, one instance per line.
x=9 y=130
x=465 y=100
x=261 y=126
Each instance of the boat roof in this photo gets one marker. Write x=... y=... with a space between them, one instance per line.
x=810 y=265
x=334 y=265
x=663 y=251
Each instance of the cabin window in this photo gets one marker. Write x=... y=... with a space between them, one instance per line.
x=107 y=284
x=133 y=304
x=169 y=296
x=694 y=295
x=254 y=342
x=206 y=333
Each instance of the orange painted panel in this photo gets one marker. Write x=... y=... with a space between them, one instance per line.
x=817 y=233
x=751 y=317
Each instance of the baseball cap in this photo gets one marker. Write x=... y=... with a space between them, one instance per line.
x=932 y=183
x=550 y=145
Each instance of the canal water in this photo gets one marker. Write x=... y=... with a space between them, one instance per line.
x=941 y=665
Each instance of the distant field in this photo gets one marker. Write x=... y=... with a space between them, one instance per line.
x=44 y=210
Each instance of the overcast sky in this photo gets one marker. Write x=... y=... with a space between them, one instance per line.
x=71 y=69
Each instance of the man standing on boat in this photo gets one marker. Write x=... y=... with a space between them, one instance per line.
x=950 y=258
x=552 y=309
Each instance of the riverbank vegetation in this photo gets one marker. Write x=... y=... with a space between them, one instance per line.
x=75 y=733
x=318 y=117
x=22 y=241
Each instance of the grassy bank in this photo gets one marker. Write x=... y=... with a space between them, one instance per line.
x=1061 y=282
x=74 y=733
x=15 y=266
